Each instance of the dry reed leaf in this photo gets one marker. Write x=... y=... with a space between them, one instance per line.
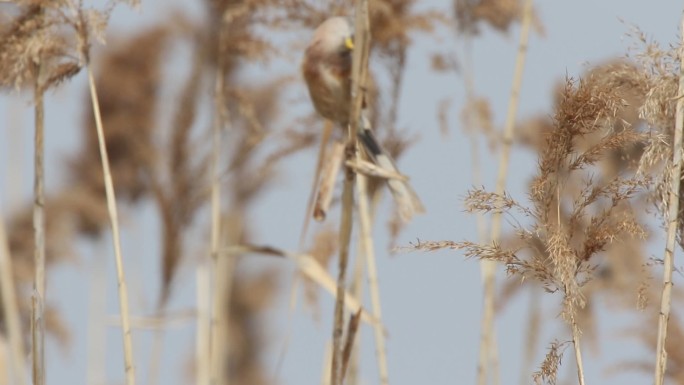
x=308 y=266
x=370 y=169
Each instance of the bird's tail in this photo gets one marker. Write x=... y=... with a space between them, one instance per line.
x=405 y=197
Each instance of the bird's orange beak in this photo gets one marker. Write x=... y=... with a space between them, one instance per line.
x=349 y=43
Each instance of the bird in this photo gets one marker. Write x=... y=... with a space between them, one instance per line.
x=327 y=68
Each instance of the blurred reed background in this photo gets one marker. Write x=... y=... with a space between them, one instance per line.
x=542 y=140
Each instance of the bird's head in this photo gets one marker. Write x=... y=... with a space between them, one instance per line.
x=335 y=35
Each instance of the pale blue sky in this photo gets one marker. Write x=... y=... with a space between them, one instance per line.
x=431 y=302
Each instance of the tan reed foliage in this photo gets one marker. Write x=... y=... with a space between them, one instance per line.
x=498 y=14
x=36 y=34
x=571 y=228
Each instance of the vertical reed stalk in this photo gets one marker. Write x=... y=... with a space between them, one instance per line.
x=672 y=222
x=114 y=221
x=38 y=298
x=203 y=338
x=359 y=72
x=576 y=336
x=488 y=267
x=221 y=263
x=218 y=341
x=353 y=376
x=344 y=240
x=366 y=238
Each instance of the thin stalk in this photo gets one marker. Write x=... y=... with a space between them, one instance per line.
x=224 y=274
x=229 y=231
x=327 y=358
x=38 y=298
x=11 y=310
x=576 y=335
x=353 y=374
x=359 y=72
x=532 y=333
x=344 y=240
x=218 y=375
x=114 y=221
x=488 y=271
x=672 y=222
x=511 y=115
x=488 y=352
x=366 y=239
x=203 y=338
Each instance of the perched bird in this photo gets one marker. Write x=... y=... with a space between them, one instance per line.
x=327 y=68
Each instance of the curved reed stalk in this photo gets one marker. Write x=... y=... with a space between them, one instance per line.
x=114 y=220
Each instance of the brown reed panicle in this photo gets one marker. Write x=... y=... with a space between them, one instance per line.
x=37 y=34
x=252 y=295
x=177 y=180
x=232 y=38
x=498 y=14
x=323 y=249
x=576 y=218
x=661 y=68
x=622 y=271
x=79 y=209
x=548 y=371
x=128 y=79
